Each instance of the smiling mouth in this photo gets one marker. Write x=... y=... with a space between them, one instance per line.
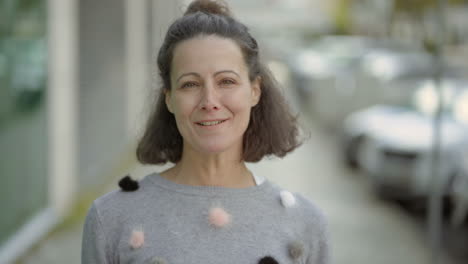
x=211 y=123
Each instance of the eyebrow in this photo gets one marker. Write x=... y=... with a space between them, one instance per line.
x=198 y=75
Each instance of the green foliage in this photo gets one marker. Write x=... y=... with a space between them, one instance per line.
x=14 y=13
x=342 y=17
x=420 y=5
x=25 y=5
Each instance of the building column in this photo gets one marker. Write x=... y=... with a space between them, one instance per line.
x=62 y=103
x=137 y=39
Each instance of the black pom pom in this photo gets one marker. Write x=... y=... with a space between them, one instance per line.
x=128 y=185
x=268 y=260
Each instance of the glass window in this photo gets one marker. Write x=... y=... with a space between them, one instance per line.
x=23 y=127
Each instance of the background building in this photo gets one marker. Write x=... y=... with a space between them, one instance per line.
x=74 y=76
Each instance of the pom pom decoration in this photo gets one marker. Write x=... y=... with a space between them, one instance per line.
x=268 y=260
x=137 y=239
x=218 y=217
x=296 y=250
x=287 y=199
x=157 y=260
x=128 y=184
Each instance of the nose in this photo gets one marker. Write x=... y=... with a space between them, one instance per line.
x=209 y=99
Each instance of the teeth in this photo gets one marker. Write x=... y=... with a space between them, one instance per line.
x=211 y=123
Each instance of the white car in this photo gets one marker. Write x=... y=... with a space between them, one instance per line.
x=339 y=75
x=321 y=70
x=394 y=144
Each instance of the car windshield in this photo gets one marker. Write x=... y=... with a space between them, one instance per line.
x=339 y=51
x=326 y=57
x=389 y=65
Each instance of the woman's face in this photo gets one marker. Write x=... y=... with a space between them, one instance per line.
x=211 y=95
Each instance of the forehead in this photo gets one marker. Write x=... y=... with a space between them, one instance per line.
x=205 y=54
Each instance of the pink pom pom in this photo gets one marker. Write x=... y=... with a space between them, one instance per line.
x=137 y=239
x=219 y=217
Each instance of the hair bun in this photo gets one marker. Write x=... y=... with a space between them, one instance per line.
x=216 y=7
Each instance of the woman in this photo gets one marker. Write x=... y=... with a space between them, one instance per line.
x=218 y=108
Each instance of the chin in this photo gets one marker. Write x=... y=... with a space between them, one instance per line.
x=215 y=147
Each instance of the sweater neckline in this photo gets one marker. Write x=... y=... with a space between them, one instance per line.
x=164 y=183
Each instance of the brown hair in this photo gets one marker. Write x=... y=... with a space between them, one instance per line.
x=272 y=129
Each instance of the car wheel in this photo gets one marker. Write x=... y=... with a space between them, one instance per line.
x=451 y=182
x=380 y=190
x=351 y=152
x=415 y=205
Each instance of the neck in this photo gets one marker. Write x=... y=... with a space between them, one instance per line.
x=221 y=169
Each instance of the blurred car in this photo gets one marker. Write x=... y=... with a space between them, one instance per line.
x=459 y=193
x=317 y=66
x=338 y=75
x=394 y=143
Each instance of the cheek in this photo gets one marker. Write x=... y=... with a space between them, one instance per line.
x=240 y=108
x=182 y=110
x=183 y=106
x=239 y=103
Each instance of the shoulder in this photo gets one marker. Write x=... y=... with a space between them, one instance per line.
x=302 y=207
x=122 y=201
x=308 y=221
x=310 y=210
x=314 y=230
x=306 y=206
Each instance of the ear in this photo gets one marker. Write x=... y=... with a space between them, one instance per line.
x=256 y=90
x=167 y=99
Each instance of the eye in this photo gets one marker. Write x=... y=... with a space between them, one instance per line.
x=227 y=82
x=189 y=85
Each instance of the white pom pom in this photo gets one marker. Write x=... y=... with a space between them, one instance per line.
x=287 y=199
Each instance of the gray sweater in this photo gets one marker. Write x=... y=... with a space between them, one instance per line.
x=166 y=222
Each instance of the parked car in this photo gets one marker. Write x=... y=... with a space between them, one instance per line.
x=317 y=66
x=393 y=144
x=459 y=195
x=338 y=75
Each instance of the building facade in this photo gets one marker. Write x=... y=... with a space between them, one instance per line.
x=74 y=81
